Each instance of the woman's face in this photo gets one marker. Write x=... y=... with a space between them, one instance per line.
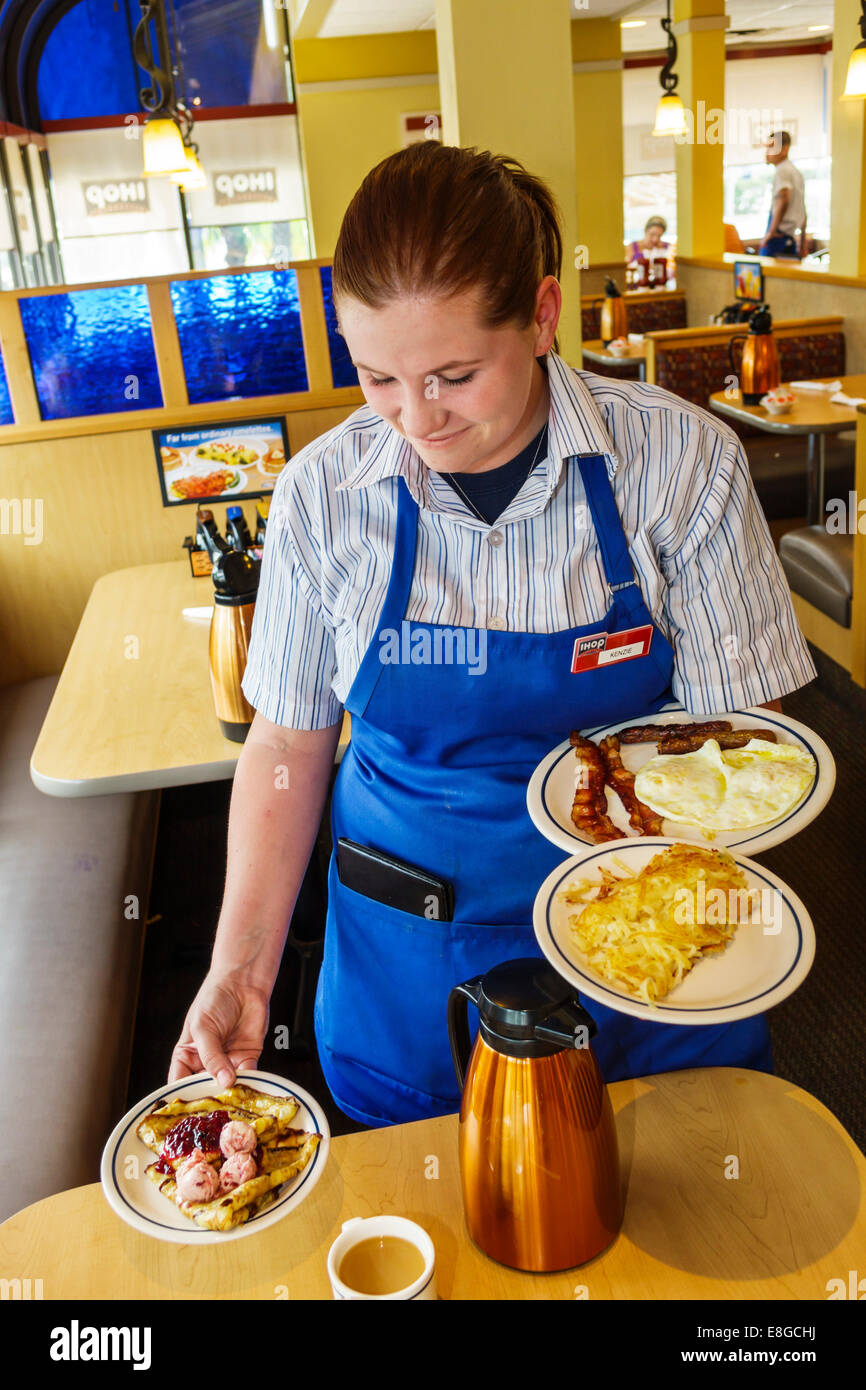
x=462 y=394
x=653 y=234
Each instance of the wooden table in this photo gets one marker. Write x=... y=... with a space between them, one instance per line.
x=739 y=1185
x=812 y=414
x=133 y=706
x=595 y=350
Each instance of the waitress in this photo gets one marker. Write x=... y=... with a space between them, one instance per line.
x=429 y=564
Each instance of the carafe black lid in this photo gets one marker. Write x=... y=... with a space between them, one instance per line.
x=761 y=320
x=527 y=1009
x=235 y=578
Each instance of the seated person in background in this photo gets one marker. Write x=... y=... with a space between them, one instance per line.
x=653 y=232
x=786 y=225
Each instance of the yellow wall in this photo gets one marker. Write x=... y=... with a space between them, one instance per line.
x=350 y=120
x=347 y=129
x=101 y=510
x=848 y=127
x=598 y=141
x=700 y=162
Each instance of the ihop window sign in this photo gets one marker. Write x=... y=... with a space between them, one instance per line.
x=115 y=195
x=245 y=186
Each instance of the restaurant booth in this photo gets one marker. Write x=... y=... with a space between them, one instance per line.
x=164 y=356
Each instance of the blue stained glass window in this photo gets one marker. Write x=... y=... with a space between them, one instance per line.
x=240 y=335
x=92 y=351
x=6 y=416
x=343 y=372
x=226 y=58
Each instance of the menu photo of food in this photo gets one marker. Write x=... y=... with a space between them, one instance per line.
x=223 y=462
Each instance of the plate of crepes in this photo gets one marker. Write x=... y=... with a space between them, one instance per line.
x=197 y=1165
x=744 y=780
x=674 y=932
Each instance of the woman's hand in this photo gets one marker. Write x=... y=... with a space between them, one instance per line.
x=224 y=1030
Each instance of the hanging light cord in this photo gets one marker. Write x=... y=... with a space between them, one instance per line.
x=667 y=76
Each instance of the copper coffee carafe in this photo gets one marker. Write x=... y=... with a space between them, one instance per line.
x=236 y=579
x=539 y=1163
x=613 y=313
x=759 y=370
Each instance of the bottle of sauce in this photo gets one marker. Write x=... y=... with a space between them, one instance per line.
x=207 y=534
x=263 y=507
x=237 y=530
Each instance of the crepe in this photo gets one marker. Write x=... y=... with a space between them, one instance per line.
x=283 y=1152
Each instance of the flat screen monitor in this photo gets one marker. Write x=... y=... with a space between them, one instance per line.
x=749 y=281
x=220 y=463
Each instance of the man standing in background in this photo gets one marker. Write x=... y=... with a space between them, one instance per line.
x=786 y=225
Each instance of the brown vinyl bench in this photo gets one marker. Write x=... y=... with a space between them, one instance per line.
x=826 y=571
x=70 y=959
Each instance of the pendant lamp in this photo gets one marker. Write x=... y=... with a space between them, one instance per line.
x=670 y=113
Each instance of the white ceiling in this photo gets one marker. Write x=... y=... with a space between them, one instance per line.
x=790 y=19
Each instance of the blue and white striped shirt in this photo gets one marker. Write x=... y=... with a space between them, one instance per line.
x=702 y=553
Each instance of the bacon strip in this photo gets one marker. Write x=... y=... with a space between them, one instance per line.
x=641 y=817
x=589 y=809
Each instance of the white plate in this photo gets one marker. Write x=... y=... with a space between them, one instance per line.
x=141 y=1204
x=756 y=971
x=550 y=793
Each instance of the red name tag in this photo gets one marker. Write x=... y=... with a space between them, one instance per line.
x=609 y=648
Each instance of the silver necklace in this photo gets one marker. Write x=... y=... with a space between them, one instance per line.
x=471 y=504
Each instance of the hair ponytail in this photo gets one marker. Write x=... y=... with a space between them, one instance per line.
x=438 y=219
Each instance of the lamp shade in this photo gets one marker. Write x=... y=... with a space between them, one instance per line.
x=855 y=82
x=670 y=116
x=163 y=147
x=193 y=176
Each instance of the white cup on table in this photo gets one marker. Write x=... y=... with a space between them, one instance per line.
x=369 y=1228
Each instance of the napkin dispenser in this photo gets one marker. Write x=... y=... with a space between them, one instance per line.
x=539 y=1162
x=236 y=581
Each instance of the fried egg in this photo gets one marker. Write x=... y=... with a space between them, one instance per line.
x=732 y=790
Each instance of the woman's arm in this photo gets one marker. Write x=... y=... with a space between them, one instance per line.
x=278 y=795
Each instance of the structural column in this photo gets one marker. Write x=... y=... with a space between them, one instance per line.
x=848 y=149
x=597 y=68
x=699 y=29
x=506 y=85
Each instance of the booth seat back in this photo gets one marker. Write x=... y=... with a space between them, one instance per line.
x=645 y=311
x=694 y=362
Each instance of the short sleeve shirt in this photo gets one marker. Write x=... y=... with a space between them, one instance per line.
x=788 y=176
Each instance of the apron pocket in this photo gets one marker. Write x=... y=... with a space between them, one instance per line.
x=386 y=978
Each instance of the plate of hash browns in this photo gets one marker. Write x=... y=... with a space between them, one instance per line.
x=674 y=932
x=197 y=1165
x=744 y=780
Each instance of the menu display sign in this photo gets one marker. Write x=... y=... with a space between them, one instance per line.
x=220 y=463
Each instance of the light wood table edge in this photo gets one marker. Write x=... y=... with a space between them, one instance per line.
x=624 y=1093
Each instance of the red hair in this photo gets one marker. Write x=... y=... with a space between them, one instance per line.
x=437 y=219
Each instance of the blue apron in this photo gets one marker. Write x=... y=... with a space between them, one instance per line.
x=436 y=775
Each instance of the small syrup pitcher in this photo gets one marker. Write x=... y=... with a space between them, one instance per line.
x=539 y=1162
